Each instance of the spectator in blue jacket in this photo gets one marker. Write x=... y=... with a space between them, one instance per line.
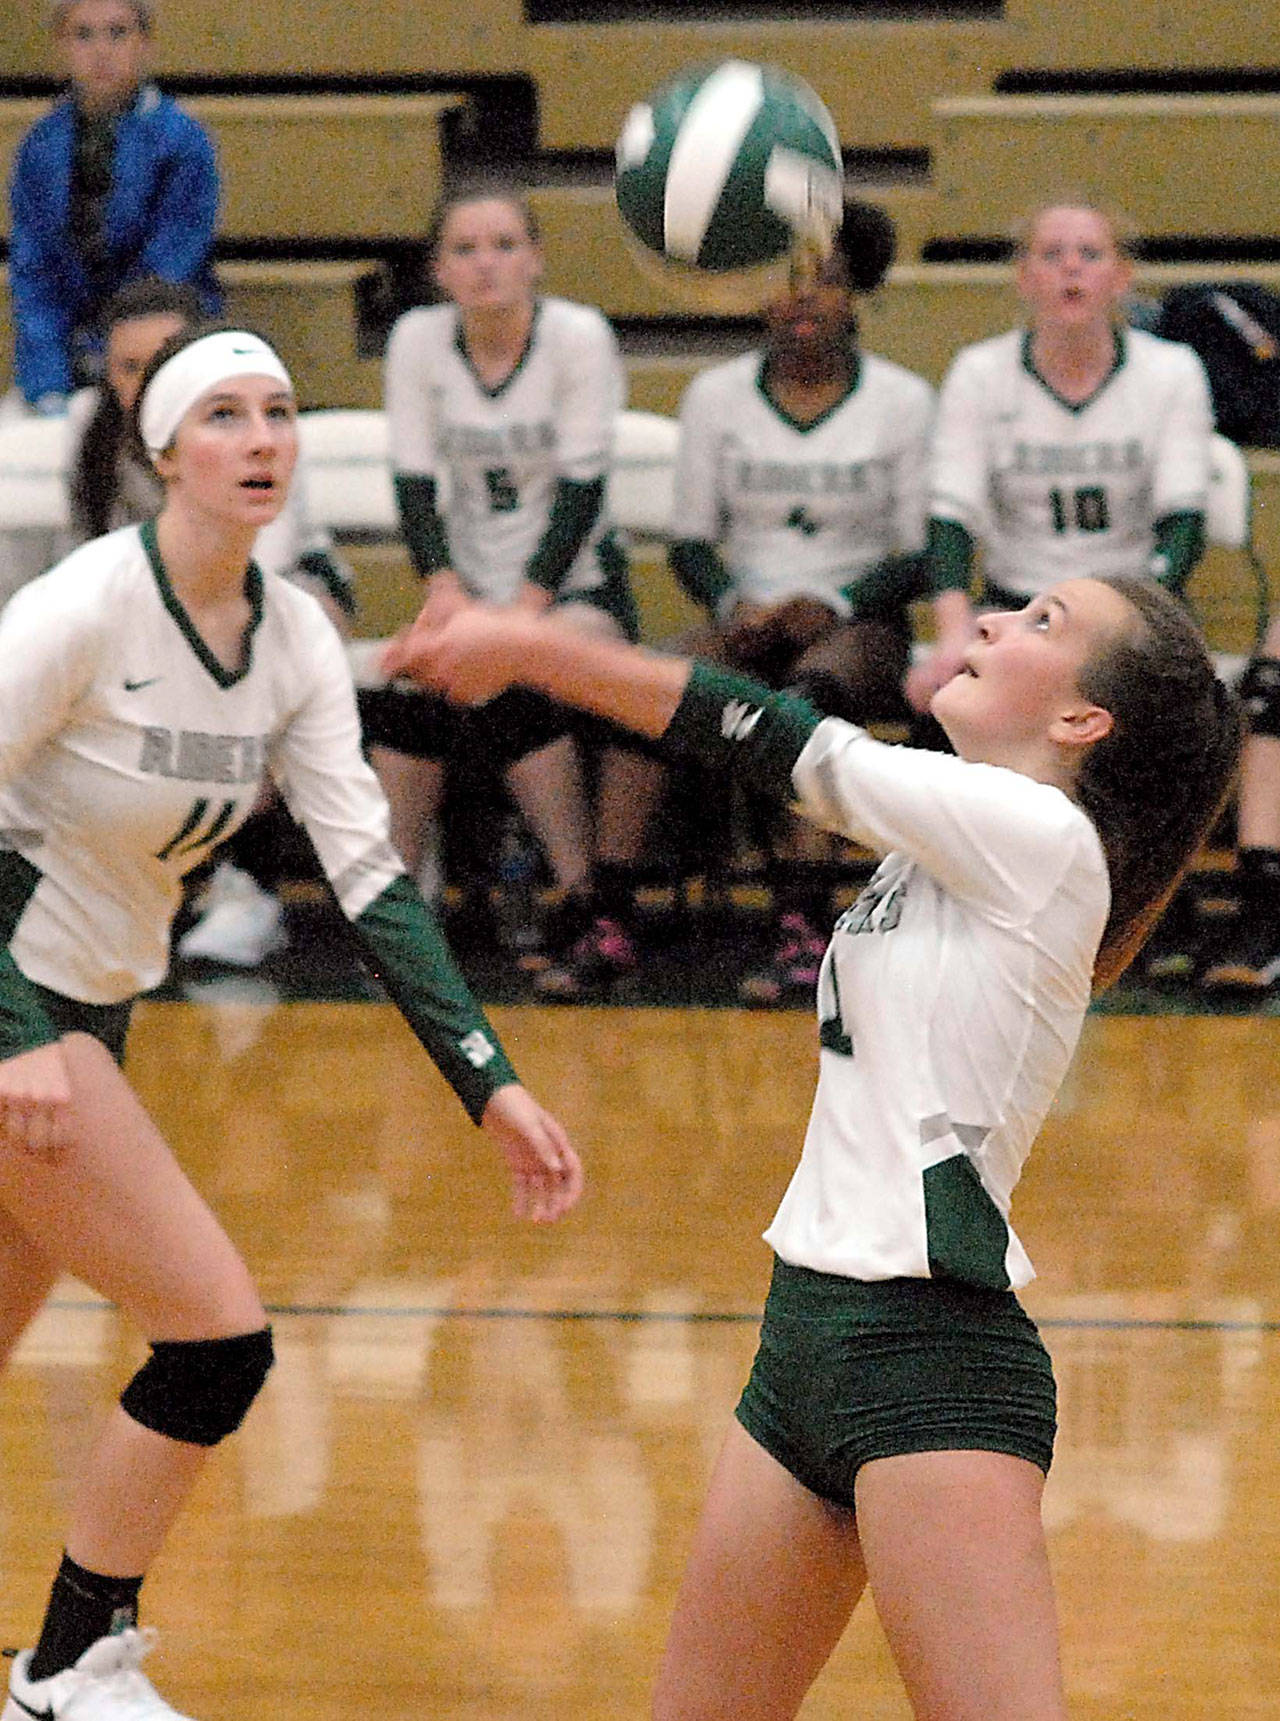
x=114 y=183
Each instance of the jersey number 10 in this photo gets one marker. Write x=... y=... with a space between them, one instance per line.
x=1085 y=509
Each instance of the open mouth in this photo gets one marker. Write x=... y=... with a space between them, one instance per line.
x=264 y=485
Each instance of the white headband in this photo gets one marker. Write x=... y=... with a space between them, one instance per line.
x=181 y=380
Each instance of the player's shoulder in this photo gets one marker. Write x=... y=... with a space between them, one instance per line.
x=421 y=329
x=730 y=378
x=888 y=377
x=294 y=620
x=995 y=354
x=569 y=322
x=1153 y=355
x=95 y=587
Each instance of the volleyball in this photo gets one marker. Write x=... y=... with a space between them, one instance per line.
x=724 y=173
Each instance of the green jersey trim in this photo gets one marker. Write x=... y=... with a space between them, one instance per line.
x=252 y=590
x=408 y=954
x=804 y=425
x=24 y=1022
x=1120 y=354
x=732 y=723
x=968 y=1238
x=494 y=391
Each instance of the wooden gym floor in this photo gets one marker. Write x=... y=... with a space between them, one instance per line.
x=467 y=1491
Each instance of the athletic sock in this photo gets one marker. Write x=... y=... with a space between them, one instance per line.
x=614 y=892
x=804 y=887
x=83 y=1606
x=1259 y=872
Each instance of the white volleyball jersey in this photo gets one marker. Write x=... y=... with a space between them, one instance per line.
x=498 y=453
x=950 y=1000
x=1052 y=491
x=803 y=510
x=127 y=751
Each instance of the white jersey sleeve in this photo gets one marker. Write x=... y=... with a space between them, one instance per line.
x=961 y=460
x=911 y=473
x=408 y=395
x=593 y=390
x=992 y=838
x=47 y=660
x=696 y=510
x=316 y=759
x=1185 y=432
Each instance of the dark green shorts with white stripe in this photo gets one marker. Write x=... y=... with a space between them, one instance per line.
x=849 y=1370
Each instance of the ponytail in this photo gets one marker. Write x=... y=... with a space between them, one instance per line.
x=1156 y=785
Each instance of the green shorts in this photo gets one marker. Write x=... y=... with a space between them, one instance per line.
x=849 y=1370
x=106 y=1022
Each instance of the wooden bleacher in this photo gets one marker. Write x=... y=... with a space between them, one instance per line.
x=918 y=104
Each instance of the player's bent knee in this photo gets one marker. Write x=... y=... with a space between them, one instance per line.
x=1260 y=696
x=199 y=1390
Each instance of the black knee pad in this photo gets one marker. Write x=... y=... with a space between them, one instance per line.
x=199 y=1390
x=1260 y=696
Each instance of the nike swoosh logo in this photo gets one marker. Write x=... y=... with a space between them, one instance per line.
x=133 y=686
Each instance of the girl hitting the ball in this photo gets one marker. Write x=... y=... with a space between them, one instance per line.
x=801 y=487
x=152 y=679
x=899 y=1419
x=502 y=406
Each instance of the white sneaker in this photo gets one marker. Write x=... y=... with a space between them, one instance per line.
x=106 y=1684
x=240 y=924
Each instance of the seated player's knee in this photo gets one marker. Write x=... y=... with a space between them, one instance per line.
x=827 y=693
x=1260 y=696
x=199 y=1390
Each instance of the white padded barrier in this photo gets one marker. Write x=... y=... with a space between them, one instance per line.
x=348 y=473
x=33 y=457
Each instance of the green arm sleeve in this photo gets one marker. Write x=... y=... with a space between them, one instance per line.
x=408 y=953
x=732 y=723
x=575 y=508
x=697 y=566
x=950 y=552
x=421 y=524
x=1179 y=546
x=887 y=589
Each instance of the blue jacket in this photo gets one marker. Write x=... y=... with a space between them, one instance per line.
x=159 y=221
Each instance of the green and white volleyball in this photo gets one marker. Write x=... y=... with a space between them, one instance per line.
x=724 y=172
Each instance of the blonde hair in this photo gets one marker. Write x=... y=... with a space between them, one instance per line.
x=1122 y=230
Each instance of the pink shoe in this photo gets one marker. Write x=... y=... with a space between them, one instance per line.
x=602 y=955
x=793 y=969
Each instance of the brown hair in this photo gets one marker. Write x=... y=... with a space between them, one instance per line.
x=1155 y=786
x=95 y=472
x=478 y=189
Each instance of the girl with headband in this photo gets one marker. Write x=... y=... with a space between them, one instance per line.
x=151 y=679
